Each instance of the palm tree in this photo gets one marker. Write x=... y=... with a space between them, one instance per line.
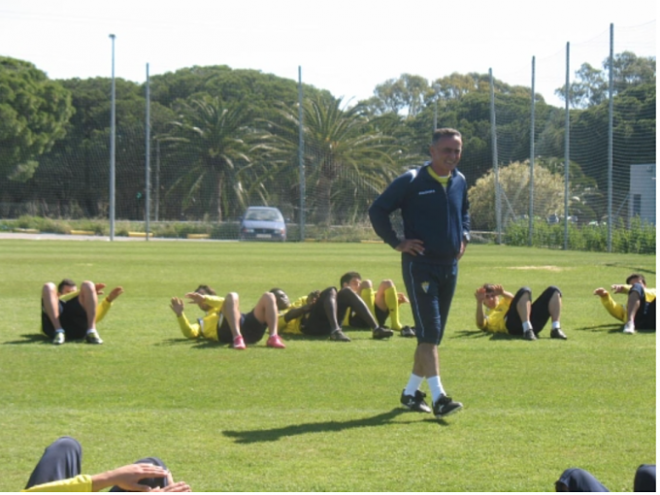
x=213 y=139
x=347 y=160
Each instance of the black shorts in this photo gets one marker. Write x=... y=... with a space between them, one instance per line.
x=72 y=317
x=539 y=314
x=316 y=322
x=357 y=322
x=251 y=329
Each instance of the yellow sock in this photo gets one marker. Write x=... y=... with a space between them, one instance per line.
x=392 y=301
x=369 y=298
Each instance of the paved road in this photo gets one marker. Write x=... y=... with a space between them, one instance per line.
x=63 y=237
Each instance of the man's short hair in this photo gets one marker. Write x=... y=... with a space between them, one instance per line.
x=205 y=290
x=489 y=288
x=444 y=132
x=66 y=282
x=347 y=277
x=636 y=275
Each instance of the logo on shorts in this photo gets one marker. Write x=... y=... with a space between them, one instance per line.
x=425 y=287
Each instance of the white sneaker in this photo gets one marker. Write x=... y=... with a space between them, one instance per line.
x=629 y=328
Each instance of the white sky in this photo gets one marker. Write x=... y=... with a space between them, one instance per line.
x=346 y=47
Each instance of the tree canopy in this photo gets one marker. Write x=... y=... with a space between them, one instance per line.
x=224 y=139
x=33 y=114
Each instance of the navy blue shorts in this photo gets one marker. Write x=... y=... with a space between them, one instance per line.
x=251 y=329
x=381 y=317
x=430 y=289
x=72 y=317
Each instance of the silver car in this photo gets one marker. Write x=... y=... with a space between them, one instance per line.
x=262 y=223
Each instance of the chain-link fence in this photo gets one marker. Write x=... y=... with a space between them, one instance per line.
x=223 y=140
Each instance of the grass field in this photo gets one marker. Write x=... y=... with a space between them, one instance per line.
x=321 y=415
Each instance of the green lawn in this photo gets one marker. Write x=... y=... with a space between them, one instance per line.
x=320 y=415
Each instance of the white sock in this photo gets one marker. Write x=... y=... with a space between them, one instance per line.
x=91 y=330
x=59 y=330
x=527 y=325
x=555 y=324
x=435 y=385
x=413 y=384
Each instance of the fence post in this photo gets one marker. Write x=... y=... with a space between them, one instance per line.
x=301 y=155
x=610 y=143
x=112 y=145
x=531 y=156
x=567 y=143
x=496 y=172
x=147 y=170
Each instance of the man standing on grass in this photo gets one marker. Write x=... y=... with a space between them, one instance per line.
x=434 y=205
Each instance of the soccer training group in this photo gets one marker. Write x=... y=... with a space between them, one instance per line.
x=433 y=203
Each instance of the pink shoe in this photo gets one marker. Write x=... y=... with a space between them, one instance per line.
x=276 y=342
x=239 y=343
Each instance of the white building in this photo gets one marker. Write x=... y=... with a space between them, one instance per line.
x=642 y=192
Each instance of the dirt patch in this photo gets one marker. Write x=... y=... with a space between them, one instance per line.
x=548 y=268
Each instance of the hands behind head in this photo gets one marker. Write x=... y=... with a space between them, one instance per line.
x=128 y=477
x=480 y=294
x=195 y=297
x=181 y=486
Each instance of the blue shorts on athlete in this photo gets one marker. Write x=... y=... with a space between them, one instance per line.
x=430 y=285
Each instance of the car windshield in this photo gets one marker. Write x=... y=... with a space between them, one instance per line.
x=264 y=215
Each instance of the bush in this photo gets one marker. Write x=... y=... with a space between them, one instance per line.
x=638 y=239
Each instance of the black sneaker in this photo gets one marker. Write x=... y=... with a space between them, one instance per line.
x=339 y=336
x=382 y=333
x=556 y=333
x=415 y=402
x=444 y=406
x=529 y=335
x=407 y=332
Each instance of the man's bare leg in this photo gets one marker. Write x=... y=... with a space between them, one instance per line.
x=231 y=311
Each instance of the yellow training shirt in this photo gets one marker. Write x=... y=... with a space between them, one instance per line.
x=81 y=483
x=495 y=318
x=206 y=327
x=618 y=310
x=291 y=326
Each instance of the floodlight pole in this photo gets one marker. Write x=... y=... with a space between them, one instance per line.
x=567 y=142
x=112 y=145
x=147 y=165
x=496 y=170
x=610 y=141
x=301 y=155
x=532 y=152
